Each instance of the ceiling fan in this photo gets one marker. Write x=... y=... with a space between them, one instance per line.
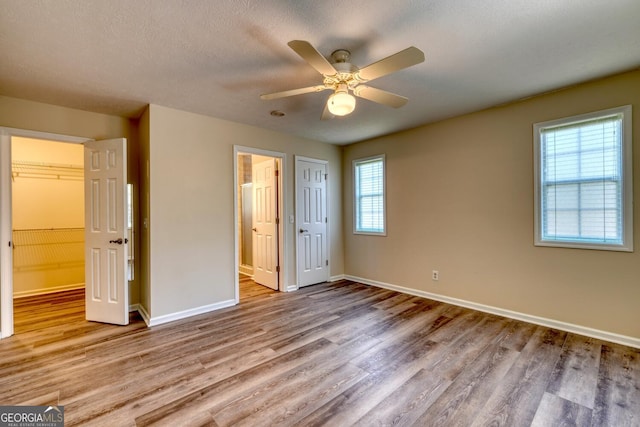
x=345 y=79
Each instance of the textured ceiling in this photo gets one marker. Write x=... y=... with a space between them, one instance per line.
x=217 y=57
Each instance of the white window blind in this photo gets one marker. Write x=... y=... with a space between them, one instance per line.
x=369 y=195
x=582 y=182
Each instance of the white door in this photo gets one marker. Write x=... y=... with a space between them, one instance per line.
x=265 y=227
x=105 y=181
x=311 y=222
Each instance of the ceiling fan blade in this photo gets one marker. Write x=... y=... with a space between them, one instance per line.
x=380 y=96
x=292 y=92
x=326 y=114
x=312 y=56
x=398 y=61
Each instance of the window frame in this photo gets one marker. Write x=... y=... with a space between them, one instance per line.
x=627 y=180
x=354 y=165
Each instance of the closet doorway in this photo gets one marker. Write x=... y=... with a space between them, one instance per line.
x=48 y=216
x=47 y=187
x=259 y=231
x=44 y=209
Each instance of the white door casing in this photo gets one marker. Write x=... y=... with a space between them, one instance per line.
x=265 y=227
x=6 y=246
x=311 y=221
x=6 y=250
x=105 y=181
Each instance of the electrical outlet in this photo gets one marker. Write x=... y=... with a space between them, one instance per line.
x=435 y=275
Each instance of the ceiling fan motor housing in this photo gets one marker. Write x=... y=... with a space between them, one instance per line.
x=341 y=55
x=345 y=74
x=344 y=71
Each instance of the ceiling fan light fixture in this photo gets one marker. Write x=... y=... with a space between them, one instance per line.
x=341 y=103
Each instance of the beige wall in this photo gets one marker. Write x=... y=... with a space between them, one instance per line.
x=35 y=116
x=45 y=202
x=191 y=205
x=142 y=265
x=460 y=200
x=23 y=114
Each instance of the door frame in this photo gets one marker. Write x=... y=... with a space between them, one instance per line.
x=326 y=166
x=282 y=209
x=6 y=221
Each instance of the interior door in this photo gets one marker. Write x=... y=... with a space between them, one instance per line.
x=265 y=227
x=311 y=223
x=105 y=181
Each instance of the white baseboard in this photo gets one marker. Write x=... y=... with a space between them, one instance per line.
x=144 y=314
x=294 y=287
x=159 y=320
x=542 y=321
x=245 y=269
x=49 y=290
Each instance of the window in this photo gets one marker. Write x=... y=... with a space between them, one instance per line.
x=369 y=212
x=583 y=181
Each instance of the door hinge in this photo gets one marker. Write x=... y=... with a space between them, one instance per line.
x=327 y=262
x=325 y=220
x=326 y=176
x=277 y=173
x=277 y=220
x=9 y=243
x=277 y=269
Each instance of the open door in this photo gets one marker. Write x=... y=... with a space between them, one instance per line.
x=265 y=227
x=105 y=182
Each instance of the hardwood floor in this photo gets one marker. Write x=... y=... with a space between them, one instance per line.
x=334 y=354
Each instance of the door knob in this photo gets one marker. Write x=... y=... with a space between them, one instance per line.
x=303 y=231
x=118 y=241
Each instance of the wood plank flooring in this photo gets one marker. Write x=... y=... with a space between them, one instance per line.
x=337 y=354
